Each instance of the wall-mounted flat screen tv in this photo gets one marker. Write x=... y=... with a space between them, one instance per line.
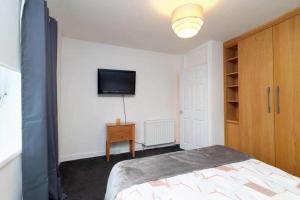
x=116 y=82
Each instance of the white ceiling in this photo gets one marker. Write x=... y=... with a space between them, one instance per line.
x=145 y=24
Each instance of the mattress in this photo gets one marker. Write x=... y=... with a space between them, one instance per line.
x=130 y=173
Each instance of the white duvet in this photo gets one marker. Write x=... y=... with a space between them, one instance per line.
x=250 y=179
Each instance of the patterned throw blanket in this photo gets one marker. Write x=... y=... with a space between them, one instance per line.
x=250 y=179
x=142 y=170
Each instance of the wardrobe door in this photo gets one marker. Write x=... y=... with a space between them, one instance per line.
x=287 y=95
x=256 y=88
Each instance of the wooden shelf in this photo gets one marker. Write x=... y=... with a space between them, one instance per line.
x=232 y=59
x=232 y=121
x=232 y=74
x=232 y=101
x=232 y=86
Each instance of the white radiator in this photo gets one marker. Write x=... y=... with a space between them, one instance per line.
x=159 y=132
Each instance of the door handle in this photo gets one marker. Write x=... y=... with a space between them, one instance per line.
x=278 y=99
x=269 y=104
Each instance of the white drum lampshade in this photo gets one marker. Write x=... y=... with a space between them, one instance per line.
x=187 y=20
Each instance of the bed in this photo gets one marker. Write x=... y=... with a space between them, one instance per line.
x=215 y=172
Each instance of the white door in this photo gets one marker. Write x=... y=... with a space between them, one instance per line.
x=194 y=106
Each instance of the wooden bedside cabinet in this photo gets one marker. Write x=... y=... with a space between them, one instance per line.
x=118 y=133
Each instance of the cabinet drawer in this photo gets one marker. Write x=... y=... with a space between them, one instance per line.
x=120 y=133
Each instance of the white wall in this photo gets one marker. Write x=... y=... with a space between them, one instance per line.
x=84 y=113
x=216 y=92
x=10 y=164
x=9 y=33
x=10 y=112
x=10 y=180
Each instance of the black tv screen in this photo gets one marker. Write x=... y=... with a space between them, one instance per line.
x=116 y=82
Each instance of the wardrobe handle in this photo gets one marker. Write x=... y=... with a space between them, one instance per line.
x=278 y=99
x=269 y=104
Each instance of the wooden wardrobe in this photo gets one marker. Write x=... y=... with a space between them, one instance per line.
x=262 y=92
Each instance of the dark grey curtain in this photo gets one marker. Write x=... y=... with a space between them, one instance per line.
x=39 y=103
x=53 y=171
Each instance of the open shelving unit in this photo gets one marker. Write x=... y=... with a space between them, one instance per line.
x=231 y=84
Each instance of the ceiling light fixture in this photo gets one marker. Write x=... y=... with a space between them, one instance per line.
x=187 y=20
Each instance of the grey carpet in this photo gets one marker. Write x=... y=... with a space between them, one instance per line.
x=86 y=179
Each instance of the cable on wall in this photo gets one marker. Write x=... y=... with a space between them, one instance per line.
x=124 y=106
